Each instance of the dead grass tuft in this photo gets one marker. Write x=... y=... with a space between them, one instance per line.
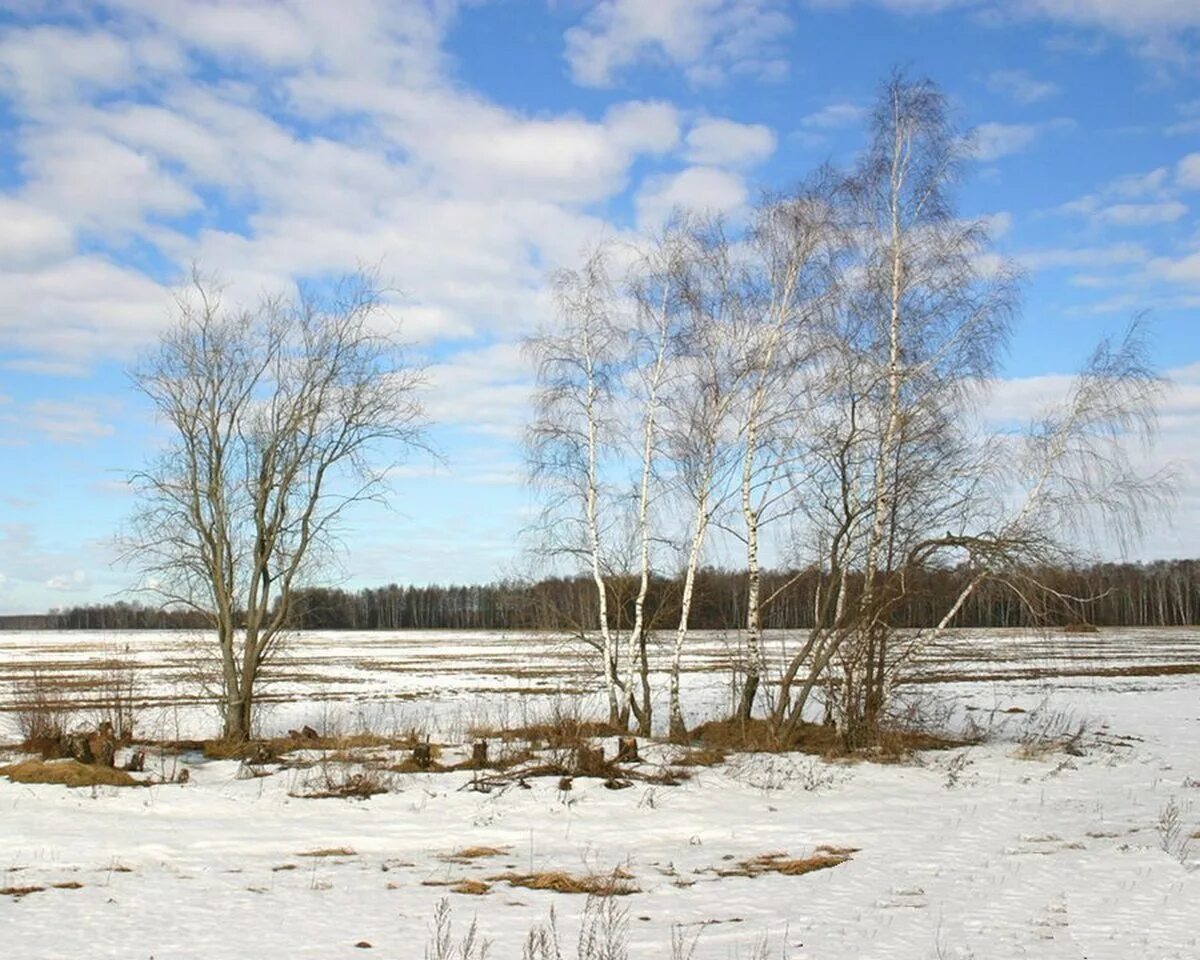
x=563 y=731
x=70 y=773
x=735 y=735
x=615 y=884
x=467 y=854
x=329 y=852
x=18 y=892
x=823 y=858
x=474 y=888
x=68 y=885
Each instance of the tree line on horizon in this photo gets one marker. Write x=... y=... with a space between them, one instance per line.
x=1162 y=593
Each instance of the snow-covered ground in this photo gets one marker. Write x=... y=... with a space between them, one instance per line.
x=973 y=852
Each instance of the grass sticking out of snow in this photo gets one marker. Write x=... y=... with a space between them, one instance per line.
x=615 y=884
x=70 y=773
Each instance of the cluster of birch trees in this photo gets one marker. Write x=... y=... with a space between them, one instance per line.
x=814 y=379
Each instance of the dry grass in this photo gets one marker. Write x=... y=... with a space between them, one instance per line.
x=702 y=756
x=823 y=858
x=334 y=781
x=718 y=738
x=474 y=888
x=70 y=773
x=68 y=885
x=329 y=852
x=615 y=884
x=1075 y=628
x=18 y=892
x=281 y=746
x=560 y=731
x=467 y=854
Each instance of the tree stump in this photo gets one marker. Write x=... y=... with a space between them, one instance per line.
x=627 y=750
x=103 y=745
x=136 y=761
x=479 y=751
x=77 y=747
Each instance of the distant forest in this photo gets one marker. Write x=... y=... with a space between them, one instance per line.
x=1163 y=593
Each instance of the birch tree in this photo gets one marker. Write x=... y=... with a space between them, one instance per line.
x=578 y=365
x=703 y=429
x=274 y=416
x=903 y=477
x=792 y=246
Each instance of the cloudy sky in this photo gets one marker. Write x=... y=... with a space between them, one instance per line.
x=470 y=148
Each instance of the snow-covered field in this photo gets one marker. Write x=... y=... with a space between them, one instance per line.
x=974 y=852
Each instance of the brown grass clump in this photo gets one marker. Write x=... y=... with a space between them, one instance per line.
x=68 y=885
x=334 y=782
x=474 y=888
x=557 y=732
x=615 y=884
x=467 y=854
x=736 y=735
x=70 y=773
x=18 y=892
x=329 y=852
x=702 y=756
x=1080 y=628
x=823 y=858
x=410 y=765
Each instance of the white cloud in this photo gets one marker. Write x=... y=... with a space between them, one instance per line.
x=1141 y=214
x=30 y=235
x=1183 y=270
x=1131 y=17
x=68 y=422
x=1188 y=172
x=726 y=143
x=1125 y=214
x=485 y=391
x=995 y=140
x=1022 y=87
x=68 y=582
x=1113 y=255
x=834 y=116
x=707 y=39
x=706 y=189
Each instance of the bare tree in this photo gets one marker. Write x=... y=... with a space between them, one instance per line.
x=701 y=436
x=273 y=415
x=902 y=479
x=578 y=368
x=792 y=246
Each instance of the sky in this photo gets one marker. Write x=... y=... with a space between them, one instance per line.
x=471 y=148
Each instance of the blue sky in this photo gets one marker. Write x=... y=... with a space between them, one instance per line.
x=471 y=148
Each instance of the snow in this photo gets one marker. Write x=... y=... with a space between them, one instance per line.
x=973 y=852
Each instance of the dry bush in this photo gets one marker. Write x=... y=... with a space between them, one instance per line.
x=563 y=727
x=42 y=709
x=69 y=773
x=117 y=687
x=1051 y=732
x=329 y=852
x=329 y=781
x=615 y=884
